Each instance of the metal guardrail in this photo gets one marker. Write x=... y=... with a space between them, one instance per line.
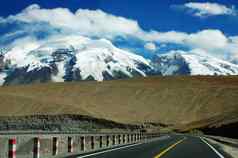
x=53 y=144
x=59 y=133
x=227 y=141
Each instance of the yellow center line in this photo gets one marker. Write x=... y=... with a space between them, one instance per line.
x=169 y=148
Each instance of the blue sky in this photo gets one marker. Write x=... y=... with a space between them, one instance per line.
x=147 y=26
x=150 y=14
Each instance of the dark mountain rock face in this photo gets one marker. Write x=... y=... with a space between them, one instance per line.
x=175 y=65
x=21 y=76
x=1 y=62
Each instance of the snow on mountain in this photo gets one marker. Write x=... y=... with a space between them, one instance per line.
x=195 y=62
x=72 y=58
x=102 y=56
x=59 y=77
x=2 y=78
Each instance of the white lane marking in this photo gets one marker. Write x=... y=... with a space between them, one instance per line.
x=98 y=153
x=114 y=149
x=219 y=154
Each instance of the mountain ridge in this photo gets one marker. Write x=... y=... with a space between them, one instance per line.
x=78 y=58
x=195 y=62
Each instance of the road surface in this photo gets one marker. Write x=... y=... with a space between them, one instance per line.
x=172 y=146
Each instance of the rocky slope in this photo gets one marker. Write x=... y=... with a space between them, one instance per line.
x=60 y=123
x=183 y=102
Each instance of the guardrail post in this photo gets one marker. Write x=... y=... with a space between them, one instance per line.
x=123 y=139
x=92 y=142
x=70 y=145
x=119 y=139
x=100 y=142
x=36 y=148
x=55 y=145
x=128 y=138
x=82 y=143
x=12 y=148
x=107 y=141
x=113 y=140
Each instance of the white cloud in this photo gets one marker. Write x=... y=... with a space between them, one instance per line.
x=234 y=39
x=87 y=22
x=209 y=9
x=166 y=37
x=207 y=39
x=96 y=23
x=92 y=23
x=13 y=34
x=100 y=24
x=1 y=19
x=232 y=49
x=150 y=46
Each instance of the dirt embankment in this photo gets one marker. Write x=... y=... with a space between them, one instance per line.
x=186 y=102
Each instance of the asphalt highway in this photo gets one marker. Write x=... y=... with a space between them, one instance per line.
x=172 y=146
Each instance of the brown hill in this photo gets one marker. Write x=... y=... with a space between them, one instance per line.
x=194 y=101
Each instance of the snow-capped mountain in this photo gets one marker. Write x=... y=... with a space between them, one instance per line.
x=77 y=58
x=193 y=63
x=74 y=58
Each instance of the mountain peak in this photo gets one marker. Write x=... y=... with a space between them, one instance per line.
x=74 y=58
x=193 y=63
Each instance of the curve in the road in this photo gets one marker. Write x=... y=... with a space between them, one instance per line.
x=173 y=146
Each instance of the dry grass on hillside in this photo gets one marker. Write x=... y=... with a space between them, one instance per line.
x=170 y=100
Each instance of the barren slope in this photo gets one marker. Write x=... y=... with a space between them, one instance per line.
x=169 y=100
